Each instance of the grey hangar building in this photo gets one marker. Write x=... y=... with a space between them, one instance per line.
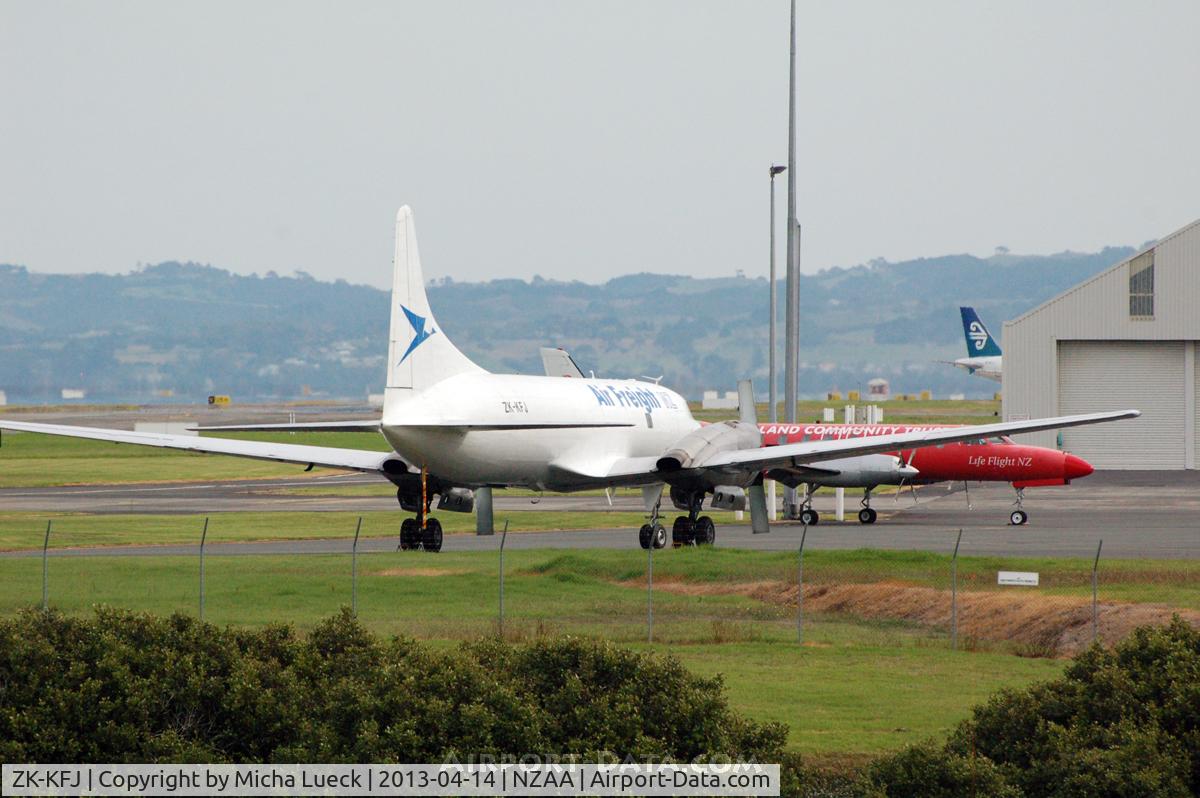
x=1125 y=338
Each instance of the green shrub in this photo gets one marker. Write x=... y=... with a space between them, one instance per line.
x=928 y=771
x=1124 y=722
x=126 y=687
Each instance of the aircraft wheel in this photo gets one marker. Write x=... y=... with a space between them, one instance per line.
x=867 y=516
x=659 y=538
x=1018 y=517
x=706 y=531
x=432 y=539
x=682 y=531
x=408 y=534
x=809 y=517
x=644 y=535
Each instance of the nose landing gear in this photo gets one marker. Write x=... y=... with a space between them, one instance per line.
x=652 y=534
x=866 y=515
x=1018 y=516
x=809 y=516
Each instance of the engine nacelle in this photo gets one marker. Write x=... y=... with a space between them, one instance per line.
x=698 y=446
x=457 y=500
x=728 y=497
x=865 y=471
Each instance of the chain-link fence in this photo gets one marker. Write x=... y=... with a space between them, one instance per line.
x=1032 y=606
x=818 y=594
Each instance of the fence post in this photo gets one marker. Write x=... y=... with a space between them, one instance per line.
x=203 y=537
x=354 y=570
x=650 y=589
x=954 y=594
x=503 y=537
x=800 y=586
x=1095 y=606
x=650 y=572
x=46 y=569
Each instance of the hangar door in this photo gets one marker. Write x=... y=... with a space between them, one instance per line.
x=1114 y=375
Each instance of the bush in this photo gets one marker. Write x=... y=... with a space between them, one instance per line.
x=1124 y=722
x=926 y=771
x=124 y=687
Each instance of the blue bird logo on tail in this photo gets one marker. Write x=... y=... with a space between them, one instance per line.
x=420 y=333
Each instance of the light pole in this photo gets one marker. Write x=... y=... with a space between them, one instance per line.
x=774 y=412
x=792 y=323
x=774 y=380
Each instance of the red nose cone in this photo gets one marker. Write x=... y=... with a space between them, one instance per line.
x=1076 y=467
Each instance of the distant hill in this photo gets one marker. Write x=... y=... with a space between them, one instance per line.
x=196 y=329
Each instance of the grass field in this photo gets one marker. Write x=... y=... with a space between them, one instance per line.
x=854 y=688
x=26 y=530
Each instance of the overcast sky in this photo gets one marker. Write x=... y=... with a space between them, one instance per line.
x=583 y=140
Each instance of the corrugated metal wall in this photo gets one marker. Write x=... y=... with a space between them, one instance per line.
x=1098 y=310
x=1110 y=375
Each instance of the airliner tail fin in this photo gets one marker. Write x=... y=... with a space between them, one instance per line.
x=980 y=342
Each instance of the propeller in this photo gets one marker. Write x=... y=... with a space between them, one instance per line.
x=756 y=493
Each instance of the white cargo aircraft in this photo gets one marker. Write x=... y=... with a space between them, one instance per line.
x=453 y=427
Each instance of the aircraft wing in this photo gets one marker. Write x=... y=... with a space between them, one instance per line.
x=353 y=459
x=740 y=461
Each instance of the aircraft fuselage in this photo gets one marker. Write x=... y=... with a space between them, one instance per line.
x=547 y=433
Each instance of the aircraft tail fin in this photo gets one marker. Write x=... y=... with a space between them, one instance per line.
x=980 y=342
x=419 y=353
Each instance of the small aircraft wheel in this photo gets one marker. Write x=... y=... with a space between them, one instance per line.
x=706 y=531
x=1018 y=517
x=432 y=539
x=809 y=517
x=867 y=516
x=681 y=531
x=660 y=536
x=644 y=535
x=408 y=538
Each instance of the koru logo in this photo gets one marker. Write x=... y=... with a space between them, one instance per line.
x=420 y=333
x=977 y=334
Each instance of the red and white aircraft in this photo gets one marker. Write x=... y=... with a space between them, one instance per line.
x=984 y=459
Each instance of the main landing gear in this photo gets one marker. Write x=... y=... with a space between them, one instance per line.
x=421 y=532
x=688 y=530
x=413 y=537
x=693 y=528
x=1018 y=516
x=866 y=515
